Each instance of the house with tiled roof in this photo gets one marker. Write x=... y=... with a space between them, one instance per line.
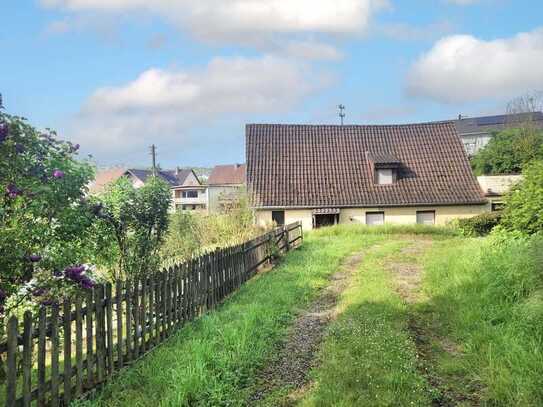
x=321 y=175
x=224 y=186
x=476 y=132
x=188 y=192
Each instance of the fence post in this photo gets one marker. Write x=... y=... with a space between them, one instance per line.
x=27 y=358
x=12 y=362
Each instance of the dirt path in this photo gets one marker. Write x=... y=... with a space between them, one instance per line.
x=296 y=355
x=407 y=273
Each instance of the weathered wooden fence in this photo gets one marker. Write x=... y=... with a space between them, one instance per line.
x=68 y=349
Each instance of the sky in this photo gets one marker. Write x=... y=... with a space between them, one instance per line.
x=186 y=75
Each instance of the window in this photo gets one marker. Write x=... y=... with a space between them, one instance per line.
x=190 y=194
x=384 y=176
x=426 y=217
x=497 y=206
x=278 y=217
x=375 y=218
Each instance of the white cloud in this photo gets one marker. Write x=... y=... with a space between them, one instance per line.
x=241 y=20
x=463 y=68
x=161 y=106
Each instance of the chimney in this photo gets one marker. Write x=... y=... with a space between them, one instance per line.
x=177 y=169
x=459 y=117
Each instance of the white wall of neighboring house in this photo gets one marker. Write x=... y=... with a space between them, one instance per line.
x=392 y=215
x=498 y=184
x=219 y=195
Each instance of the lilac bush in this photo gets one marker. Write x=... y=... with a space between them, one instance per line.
x=45 y=216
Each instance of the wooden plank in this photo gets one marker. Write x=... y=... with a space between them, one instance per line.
x=11 y=392
x=100 y=334
x=109 y=330
x=27 y=358
x=119 y=312
x=78 y=348
x=164 y=305
x=151 y=308
x=143 y=314
x=157 y=281
x=129 y=318
x=55 y=401
x=136 y=311
x=42 y=352
x=91 y=310
x=67 y=331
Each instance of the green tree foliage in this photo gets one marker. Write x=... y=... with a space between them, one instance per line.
x=191 y=233
x=133 y=226
x=524 y=204
x=508 y=151
x=44 y=216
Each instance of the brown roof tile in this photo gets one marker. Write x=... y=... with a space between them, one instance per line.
x=319 y=166
x=227 y=174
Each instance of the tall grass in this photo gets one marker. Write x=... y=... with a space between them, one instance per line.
x=211 y=361
x=488 y=297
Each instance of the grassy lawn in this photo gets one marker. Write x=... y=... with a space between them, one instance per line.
x=488 y=298
x=368 y=357
x=469 y=333
x=210 y=360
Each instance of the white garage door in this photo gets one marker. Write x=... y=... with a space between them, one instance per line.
x=426 y=217
x=375 y=218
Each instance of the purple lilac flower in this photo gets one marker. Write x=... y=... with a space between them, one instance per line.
x=13 y=191
x=48 y=302
x=74 y=148
x=58 y=174
x=86 y=282
x=4 y=131
x=74 y=273
x=38 y=292
x=34 y=258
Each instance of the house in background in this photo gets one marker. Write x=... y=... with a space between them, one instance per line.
x=189 y=194
x=224 y=186
x=322 y=175
x=476 y=132
x=105 y=177
x=496 y=186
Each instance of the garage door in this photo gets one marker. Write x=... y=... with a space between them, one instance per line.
x=426 y=217
x=375 y=218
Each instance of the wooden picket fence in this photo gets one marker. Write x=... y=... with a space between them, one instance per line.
x=66 y=350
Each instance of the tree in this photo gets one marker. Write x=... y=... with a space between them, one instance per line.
x=136 y=220
x=44 y=215
x=509 y=151
x=523 y=210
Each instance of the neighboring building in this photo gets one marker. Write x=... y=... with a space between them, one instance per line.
x=476 y=132
x=225 y=184
x=103 y=178
x=320 y=175
x=189 y=193
x=496 y=186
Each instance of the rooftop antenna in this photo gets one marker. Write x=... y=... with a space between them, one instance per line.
x=341 y=113
x=153 y=155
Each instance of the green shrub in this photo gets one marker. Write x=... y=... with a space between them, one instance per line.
x=509 y=151
x=479 y=225
x=524 y=204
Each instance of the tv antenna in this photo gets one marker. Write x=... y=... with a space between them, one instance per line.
x=341 y=113
x=153 y=156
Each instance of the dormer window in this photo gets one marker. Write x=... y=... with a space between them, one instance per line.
x=384 y=176
x=384 y=166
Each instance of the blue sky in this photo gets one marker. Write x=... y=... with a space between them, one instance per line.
x=187 y=75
